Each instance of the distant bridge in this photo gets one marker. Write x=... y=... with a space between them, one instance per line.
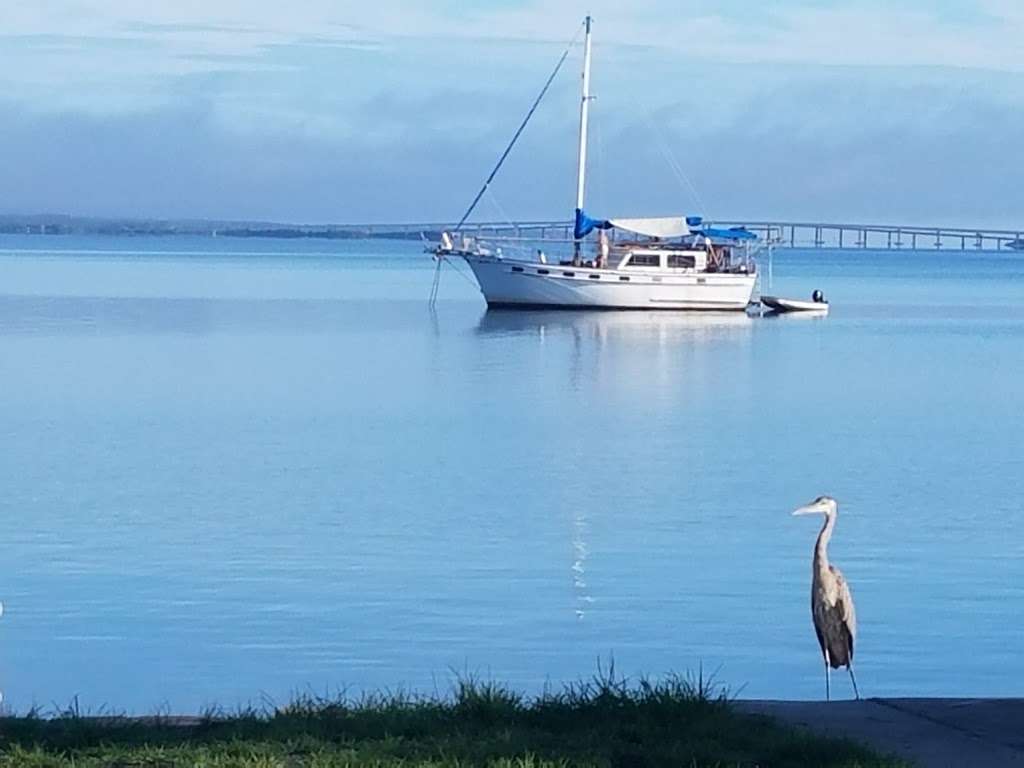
x=782 y=234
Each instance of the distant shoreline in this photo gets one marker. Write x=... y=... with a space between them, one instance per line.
x=45 y=225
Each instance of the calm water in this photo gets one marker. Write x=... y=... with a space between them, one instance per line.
x=248 y=468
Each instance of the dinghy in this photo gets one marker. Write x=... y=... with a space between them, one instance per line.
x=778 y=304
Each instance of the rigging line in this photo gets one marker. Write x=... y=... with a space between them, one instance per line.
x=522 y=125
x=676 y=167
x=515 y=247
x=501 y=210
x=673 y=163
x=459 y=271
x=670 y=159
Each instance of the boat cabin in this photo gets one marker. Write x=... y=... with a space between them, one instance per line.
x=670 y=244
x=675 y=257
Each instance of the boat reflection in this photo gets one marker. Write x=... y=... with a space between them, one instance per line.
x=607 y=325
x=613 y=360
x=611 y=353
x=788 y=317
x=579 y=561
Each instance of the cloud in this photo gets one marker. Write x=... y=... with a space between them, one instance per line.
x=826 y=150
x=984 y=34
x=183 y=162
x=101 y=56
x=336 y=110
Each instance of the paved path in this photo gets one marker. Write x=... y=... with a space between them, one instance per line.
x=931 y=733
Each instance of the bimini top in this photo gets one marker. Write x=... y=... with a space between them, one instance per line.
x=665 y=227
x=669 y=226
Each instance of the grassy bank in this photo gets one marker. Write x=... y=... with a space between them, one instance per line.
x=603 y=722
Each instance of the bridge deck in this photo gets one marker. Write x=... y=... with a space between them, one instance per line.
x=783 y=234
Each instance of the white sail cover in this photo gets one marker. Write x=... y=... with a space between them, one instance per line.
x=669 y=226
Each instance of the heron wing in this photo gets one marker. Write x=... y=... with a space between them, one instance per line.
x=845 y=608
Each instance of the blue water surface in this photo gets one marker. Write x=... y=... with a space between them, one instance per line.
x=234 y=470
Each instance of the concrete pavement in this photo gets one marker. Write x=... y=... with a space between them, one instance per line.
x=931 y=733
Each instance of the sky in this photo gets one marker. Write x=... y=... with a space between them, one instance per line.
x=323 y=111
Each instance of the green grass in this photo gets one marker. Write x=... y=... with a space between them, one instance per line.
x=606 y=721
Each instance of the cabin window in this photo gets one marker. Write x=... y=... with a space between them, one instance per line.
x=645 y=260
x=681 y=261
x=569 y=274
x=624 y=278
x=543 y=272
x=595 y=277
x=517 y=269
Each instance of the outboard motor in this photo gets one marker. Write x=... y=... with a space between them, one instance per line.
x=818 y=297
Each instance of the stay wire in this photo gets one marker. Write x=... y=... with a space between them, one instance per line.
x=522 y=126
x=670 y=158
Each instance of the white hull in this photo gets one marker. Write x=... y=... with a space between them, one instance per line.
x=779 y=304
x=508 y=283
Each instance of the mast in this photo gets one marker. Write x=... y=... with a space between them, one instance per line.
x=581 y=171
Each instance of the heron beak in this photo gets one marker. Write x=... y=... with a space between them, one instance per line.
x=814 y=508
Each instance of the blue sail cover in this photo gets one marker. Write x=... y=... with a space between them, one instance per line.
x=696 y=225
x=732 y=233
x=585 y=225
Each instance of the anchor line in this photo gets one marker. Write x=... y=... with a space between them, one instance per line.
x=436 y=285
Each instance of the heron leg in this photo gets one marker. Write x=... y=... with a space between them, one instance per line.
x=828 y=685
x=853 y=679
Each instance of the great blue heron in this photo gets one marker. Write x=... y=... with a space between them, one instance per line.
x=835 y=621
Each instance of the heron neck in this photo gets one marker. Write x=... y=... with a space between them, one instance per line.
x=821 y=547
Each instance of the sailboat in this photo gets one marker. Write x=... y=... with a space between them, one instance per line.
x=675 y=263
